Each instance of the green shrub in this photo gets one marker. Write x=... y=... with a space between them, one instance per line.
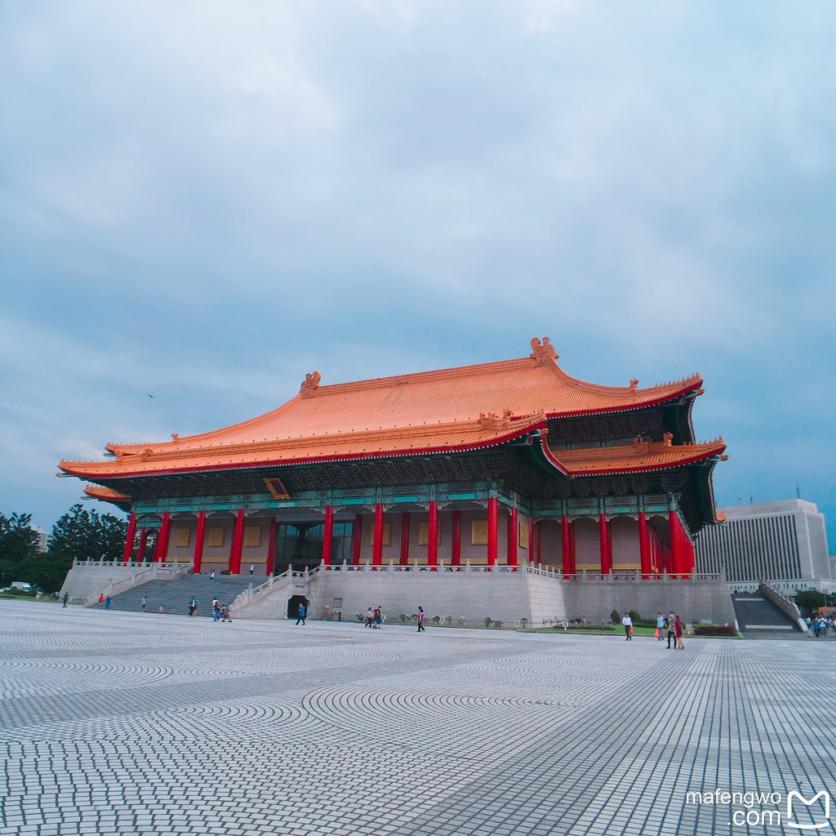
x=488 y=621
x=714 y=630
x=615 y=618
x=634 y=616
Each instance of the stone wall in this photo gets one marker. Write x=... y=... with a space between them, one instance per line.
x=88 y=580
x=502 y=596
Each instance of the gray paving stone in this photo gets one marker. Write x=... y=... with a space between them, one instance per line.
x=116 y=722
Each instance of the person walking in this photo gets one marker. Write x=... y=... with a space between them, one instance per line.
x=378 y=617
x=212 y=575
x=301 y=612
x=192 y=606
x=101 y=602
x=108 y=602
x=660 y=626
x=216 y=609
x=679 y=629
x=64 y=599
x=252 y=570
x=628 y=627
x=421 y=628
x=143 y=604
x=370 y=617
x=670 y=630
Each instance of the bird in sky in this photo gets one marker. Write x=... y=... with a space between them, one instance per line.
x=151 y=396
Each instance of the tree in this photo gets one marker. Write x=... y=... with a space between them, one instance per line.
x=87 y=535
x=18 y=546
x=809 y=600
x=18 y=540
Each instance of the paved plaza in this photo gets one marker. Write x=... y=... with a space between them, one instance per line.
x=116 y=722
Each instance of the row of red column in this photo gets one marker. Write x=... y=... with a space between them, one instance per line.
x=677 y=559
x=432 y=536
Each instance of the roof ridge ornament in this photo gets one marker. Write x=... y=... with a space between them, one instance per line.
x=543 y=351
x=492 y=421
x=310 y=384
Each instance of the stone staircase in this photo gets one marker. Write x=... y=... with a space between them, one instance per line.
x=173 y=595
x=758 y=616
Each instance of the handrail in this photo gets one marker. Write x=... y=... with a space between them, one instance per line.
x=630 y=576
x=784 y=604
x=254 y=593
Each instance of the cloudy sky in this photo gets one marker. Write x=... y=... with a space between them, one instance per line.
x=202 y=201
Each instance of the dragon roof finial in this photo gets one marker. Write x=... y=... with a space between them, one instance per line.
x=543 y=351
x=310 y=384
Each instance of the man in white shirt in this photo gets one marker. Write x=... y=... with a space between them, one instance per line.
x=628 y=628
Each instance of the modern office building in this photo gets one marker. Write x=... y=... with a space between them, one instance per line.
x=783 y=543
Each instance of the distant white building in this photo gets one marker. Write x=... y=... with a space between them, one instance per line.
x=42 y=538
x=783 y=543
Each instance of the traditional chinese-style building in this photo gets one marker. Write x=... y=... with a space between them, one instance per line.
x=512 y=462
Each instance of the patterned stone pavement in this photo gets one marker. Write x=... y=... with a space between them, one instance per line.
x=114 y=722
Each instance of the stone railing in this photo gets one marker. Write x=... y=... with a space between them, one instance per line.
x=784 y=604
x=255 y=593
x=505 y=569
x=144 y=572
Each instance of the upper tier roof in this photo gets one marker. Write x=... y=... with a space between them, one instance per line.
x=462 y=408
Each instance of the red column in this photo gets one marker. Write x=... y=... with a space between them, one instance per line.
x=538 y=541
x=128 y=551
x=404 y=538
x=690 y=556
x=237 y=544
x=675 y=533
x=377 y=540
x=493 y=535
x=161 y=548
x=328 y=535
x=512 y=537
x=456 y=548
x=644 y=546
x=200 y=530
x=604 y=538
x=568 y=546
x=356 y=539
x=270 y=565
x=432 y=537
x=532 y=533
x=143 y=545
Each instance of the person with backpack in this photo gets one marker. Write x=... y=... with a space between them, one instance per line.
x=421 y=628
x=660 y=626
x=301 y=612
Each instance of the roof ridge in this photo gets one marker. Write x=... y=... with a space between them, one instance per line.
x=483 y=423
x=413 y=377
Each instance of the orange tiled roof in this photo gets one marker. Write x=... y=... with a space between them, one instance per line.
x=632 y=458
x=105 y=494
x=451 y=409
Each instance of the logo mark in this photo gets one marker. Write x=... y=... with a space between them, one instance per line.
x=808 y=802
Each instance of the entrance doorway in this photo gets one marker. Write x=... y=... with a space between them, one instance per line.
x=300 y=545
x=293 y=605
